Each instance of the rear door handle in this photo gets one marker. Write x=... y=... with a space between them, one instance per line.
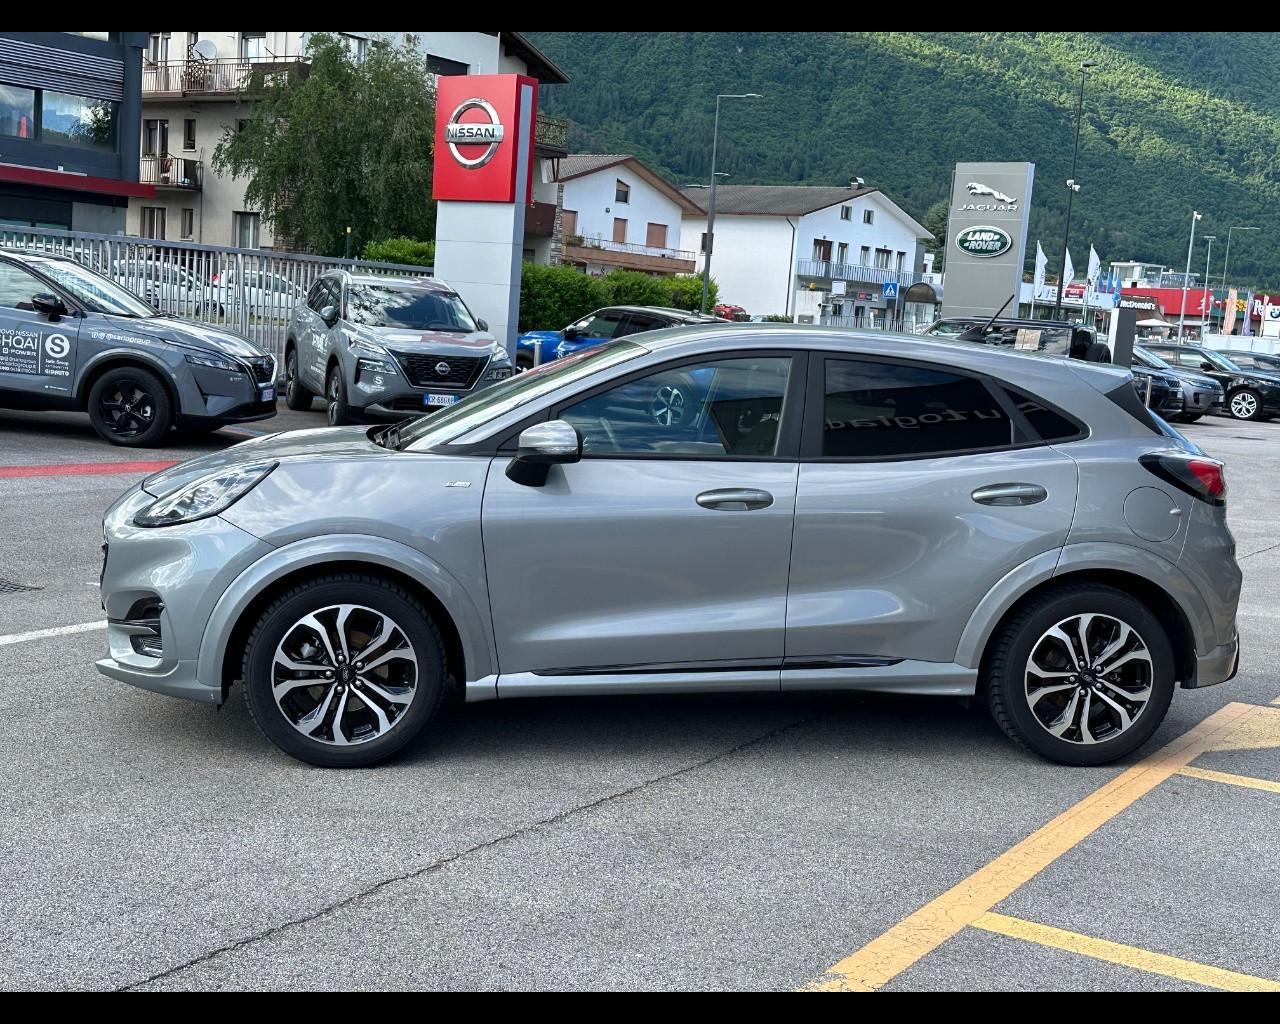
x=735 y=499
x=1010 y=494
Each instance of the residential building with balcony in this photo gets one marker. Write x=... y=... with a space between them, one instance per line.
x=807 y=251
x=620 y=214
x=190 y=101
x=69 y=117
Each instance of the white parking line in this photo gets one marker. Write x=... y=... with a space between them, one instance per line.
x=40 y=634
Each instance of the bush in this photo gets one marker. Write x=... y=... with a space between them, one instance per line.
x=401 y=250
x=552 y=297
x=774 y=318
x=686 y=293
x=631 y=288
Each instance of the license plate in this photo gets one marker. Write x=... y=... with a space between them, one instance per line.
x=439 y=399
x=268 y=394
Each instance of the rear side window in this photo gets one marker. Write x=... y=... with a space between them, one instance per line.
x=1125 y=397
x=887 y=410
x=1049 y=424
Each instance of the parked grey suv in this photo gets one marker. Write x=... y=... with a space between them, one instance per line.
x=389 y=346
x=823 y=510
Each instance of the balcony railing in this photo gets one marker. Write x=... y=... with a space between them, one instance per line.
x=609 y=245
x=832 y=271
x=217 y=77
x=551 y=133
x=171 y=172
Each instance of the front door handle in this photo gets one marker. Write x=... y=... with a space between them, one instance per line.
x=1010 y=494
x=735 y=499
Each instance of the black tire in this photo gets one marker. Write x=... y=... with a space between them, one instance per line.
x=524 y=361
x=337 y=410
x=282 y=615
x=1244 y=404
x=1011 y=647
x=296 y=396
x=130 y=407
x=1098 y=353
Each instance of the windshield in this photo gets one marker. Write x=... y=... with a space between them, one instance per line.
x=1149 y=359
x=94 y=291
x=415 y=307
x=1221 y=362
x=482 y=406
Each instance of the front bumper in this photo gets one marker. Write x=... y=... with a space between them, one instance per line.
x=1218 y=666
x=381 y=394
x=213 y=395
x=1200 y=400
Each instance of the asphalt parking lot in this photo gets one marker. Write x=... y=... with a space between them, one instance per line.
x=839 y=842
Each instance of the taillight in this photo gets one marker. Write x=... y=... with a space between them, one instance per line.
x=1200 y=477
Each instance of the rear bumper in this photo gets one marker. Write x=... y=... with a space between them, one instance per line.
x=1218 y=666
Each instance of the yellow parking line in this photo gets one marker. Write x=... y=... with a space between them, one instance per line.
x=888 y=955
x=1126 y=956
x=1248 y=781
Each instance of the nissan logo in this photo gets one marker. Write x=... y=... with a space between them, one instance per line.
x=442 y=369
x=473 y=133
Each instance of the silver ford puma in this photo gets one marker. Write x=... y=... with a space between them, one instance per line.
x=767 y=508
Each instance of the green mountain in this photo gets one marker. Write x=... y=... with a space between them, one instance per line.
x=1172 y=122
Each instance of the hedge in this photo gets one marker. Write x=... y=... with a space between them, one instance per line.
x=401 y=250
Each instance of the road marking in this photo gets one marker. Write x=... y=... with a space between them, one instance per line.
x=891 y=953
x=84 y=468
x=1247 y=781
x=1125 y=956
x=41 y=634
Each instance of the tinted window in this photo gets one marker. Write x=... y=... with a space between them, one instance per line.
x=1247 y=362
x=1049 y=425
x=877 y=410
x=600 y=325
x=415 y=307
x=730 y=407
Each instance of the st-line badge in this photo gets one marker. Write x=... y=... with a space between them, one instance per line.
x=474 y=133
x=984 y=240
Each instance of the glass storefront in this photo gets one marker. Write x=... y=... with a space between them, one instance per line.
x=69 y=120
x=17 y=112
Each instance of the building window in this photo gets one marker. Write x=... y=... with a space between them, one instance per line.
x=882 y=258
x=189 y=133
x=868 y=216
x=569 y=223
x=253 y=45
x=656 y=236
x=247 y=227
x=821 y=249
x=357 y=46
x=621 y=192
x=842 y=252
x=846 y=213
x=67 y=120
x=619 y=230
x=445 y=66
x=158 y=49
x=188 y=223
x=17 y=112
x=152 y=222
x=155 y=137
x=902 y=256
x=864 y=256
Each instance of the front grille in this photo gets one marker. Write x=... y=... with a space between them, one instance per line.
x=420 y=370
x=406 y=405
x=264 y=369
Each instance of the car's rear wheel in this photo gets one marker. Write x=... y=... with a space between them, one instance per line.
x=1082 y=675
x=130 y=406
x=1245 y=404
x=524 y=361
x=344 y=671
x=337 y=410
x=296 y=397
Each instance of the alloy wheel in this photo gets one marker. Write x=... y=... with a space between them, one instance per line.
x=344 y=675
x=127 y=408
x=1244 y=405
x=1088 y=678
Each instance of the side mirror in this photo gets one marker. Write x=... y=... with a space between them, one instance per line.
x=482 y=324
x=329 y=314
x=570 y=333
x=542 y=446
x=1206 y=365
x=50 y=305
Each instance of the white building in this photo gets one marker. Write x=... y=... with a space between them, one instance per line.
x=619 y=213
x=188 y=102
x=808 y=251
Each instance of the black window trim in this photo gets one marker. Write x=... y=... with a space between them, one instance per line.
x=815 y=409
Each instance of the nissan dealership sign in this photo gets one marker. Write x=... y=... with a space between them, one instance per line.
x=987 y=234
x=484 y=138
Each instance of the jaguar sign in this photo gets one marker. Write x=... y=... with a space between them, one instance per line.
x=984 y=241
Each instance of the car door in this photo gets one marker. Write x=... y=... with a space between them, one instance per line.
x=665 y=548
x=37 y=355
x=316 y=345
x=919 y=488
x=1190 y=359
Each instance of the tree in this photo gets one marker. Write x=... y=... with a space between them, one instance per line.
x=349 y=145
x=935 y=221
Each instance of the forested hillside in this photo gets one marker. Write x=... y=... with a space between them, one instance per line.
x=1172 y=122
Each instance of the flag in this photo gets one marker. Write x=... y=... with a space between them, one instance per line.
x=1095 y=267
x=1248 y=316
x=1068 y=274
x=1042 y=261
x=1229 y=321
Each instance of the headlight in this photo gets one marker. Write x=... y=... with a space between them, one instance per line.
x=216 y=361
x=500 y=354
x=365 y=348
x=497 y=373
x=204 y=497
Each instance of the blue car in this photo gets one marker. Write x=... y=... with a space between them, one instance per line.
x=536 y=347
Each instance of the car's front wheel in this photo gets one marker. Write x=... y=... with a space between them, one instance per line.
x=524 y=361
x=130 y=406
x=1082 y=675
x=337 y=410
x=344 y=670
x=1245 y=404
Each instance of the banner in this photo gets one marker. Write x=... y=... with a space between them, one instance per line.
x=1248 y=316
x=1229 y=321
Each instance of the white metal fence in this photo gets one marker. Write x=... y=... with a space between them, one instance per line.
x=1241 y=343
x=250 y=291
x=902 y=325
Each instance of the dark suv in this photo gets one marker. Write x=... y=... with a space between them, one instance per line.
x=608 y=324
x=1251 y=394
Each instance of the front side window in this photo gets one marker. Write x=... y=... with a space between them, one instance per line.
x=876 y=410
x=94 y=291
x=409 y=306
x=17 y=287
x=729 y=408
x=600 y=325
x=17 y=112
x=68 y=120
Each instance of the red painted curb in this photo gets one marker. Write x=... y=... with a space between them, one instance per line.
x=84 y=468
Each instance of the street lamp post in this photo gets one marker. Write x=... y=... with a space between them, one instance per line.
x=1205 y=307
x=1072 y=188
x=1226 y=261
x=711 y=200
x=1186 y=278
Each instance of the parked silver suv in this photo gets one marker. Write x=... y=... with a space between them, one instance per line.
x=766 y=507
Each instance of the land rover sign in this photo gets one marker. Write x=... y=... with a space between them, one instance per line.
x=984 y=241
x=987 y=238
